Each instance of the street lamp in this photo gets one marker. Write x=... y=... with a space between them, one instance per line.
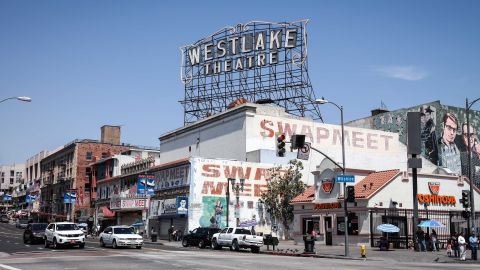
x=236 y=188
x=468 y=105
x=321 y=102
x=26 y=99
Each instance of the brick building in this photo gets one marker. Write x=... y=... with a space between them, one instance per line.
x=67 y=169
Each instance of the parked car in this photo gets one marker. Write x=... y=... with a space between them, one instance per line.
x=64 y=234
x=84 y=228
x=120 y=236
x=200 y=237
x=4 y=219
x=237 y=238
x=22 y=222
x=35 y=232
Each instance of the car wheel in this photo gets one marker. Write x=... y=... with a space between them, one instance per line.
x=139 y=247
x=102 y=244
x=47 y=245
x=201 y=243
x=255 y=250
x=55 y=244
x=215 y=245
x=81 y=245
x=114 y=244
x=235 y=245
x=185 y=242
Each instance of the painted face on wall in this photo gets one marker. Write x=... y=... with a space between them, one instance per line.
x=449 y=131
x=465 y=135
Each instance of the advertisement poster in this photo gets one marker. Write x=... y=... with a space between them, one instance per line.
x=182 y=205
x=146 y=184
x=30 y=198
x=70 y=197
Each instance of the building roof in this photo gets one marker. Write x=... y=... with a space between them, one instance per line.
x=374 y=182
x=307 y=196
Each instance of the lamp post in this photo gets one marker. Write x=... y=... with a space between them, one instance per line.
x=236 y=188
x=468 y=105
x=26 y=99
x=324 y=101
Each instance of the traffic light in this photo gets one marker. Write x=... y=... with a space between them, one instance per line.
x=465 y=198
x=466 y=214
x=298 y=141
x=281 y=145
x=350 y=194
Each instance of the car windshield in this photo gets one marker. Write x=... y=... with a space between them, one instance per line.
x=123 y=231
x=67 y=227
x=39 y=226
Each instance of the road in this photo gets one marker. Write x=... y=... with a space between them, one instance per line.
x=15 y=255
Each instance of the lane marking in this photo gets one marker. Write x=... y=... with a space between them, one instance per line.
x=9 y=267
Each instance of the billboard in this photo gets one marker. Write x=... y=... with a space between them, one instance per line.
x=146 y=184
x=70 y=197
x=182 y=205
x=253 y=61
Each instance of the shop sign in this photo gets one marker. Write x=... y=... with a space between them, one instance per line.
x=169 y=206
x=328 y=184
x=434 y=187
x=172 y=177
x=146 y=184
x=333 y=205
x=70 y=197
x=436 y=199
x=127 y=204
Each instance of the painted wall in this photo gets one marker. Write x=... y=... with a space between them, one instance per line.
x=208 y=203
x=443 y=142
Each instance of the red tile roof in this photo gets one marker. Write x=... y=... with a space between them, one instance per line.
x=307 y=196
x=373 y=182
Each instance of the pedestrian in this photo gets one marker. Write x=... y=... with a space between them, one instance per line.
x=462 y=244
x=421 y=239
x=434 y=239
x=456 y=248
x=473 y=240
x=170 y=233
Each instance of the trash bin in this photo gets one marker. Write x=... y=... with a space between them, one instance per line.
x=309 y=244
x=154 y=237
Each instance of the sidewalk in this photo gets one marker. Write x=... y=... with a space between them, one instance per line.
x=290 y=248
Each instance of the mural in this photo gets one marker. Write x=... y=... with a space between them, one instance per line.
x=213 y=215
x=443 y=135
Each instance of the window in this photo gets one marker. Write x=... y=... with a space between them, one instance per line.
x=104 y=155
x=230 y=230
x=224 y=230
x=352 y=225
x=11 y=181
x=243 y=231
x=3 y=180
x=12 y=173
x=89 y=155
x=122 y=231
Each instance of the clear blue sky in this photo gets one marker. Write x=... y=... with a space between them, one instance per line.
x=90 y=63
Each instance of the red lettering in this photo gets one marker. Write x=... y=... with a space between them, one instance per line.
x=209 y=188
x=307 y=131
x=268 y=132
x=386 y=138
x=357 y=139
x=211 y=170
x=287 y=130
x=260 y=173
x=322 y=133
x=371 y=143
x=230 y=173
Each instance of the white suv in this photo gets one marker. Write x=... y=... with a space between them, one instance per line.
x=64 y=234
x=120 y=236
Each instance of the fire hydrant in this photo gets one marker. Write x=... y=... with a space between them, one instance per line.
x=363 y=251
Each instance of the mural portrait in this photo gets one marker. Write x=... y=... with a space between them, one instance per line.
x=213 y=212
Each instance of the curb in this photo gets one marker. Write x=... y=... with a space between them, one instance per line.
x=315 y=256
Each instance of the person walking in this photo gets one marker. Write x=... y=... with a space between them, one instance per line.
x=473 y=241
x=463 y=246
x=434 y=239
x=421 y=239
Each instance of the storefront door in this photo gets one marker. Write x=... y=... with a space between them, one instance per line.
x=328 y=231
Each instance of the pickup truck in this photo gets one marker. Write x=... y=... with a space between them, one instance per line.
x=237 y=238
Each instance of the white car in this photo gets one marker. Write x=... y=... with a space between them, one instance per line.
x=64 y=234
x=120 y=236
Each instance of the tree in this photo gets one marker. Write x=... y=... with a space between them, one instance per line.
x=283 y=185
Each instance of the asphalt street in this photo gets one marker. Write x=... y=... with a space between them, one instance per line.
x=15 y=255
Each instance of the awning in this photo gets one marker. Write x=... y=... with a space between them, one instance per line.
x=107 y=213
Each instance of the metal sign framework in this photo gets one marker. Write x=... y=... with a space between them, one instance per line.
x=281 y=78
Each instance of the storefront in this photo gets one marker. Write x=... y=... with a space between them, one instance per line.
x=130 y=211
x=381 y=197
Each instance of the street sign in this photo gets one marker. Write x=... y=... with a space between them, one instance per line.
x=345 y=179
x=304 y=152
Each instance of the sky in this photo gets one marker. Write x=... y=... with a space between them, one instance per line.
x=90 y=63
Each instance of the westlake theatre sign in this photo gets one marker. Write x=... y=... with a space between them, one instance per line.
x=253 y=61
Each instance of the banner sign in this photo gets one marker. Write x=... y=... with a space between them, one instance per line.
x=30 y=198
x=146 y=184
x=174 y=177
x=120 y=204
x=70 y=197
x=7 y=198
x=182 y=205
